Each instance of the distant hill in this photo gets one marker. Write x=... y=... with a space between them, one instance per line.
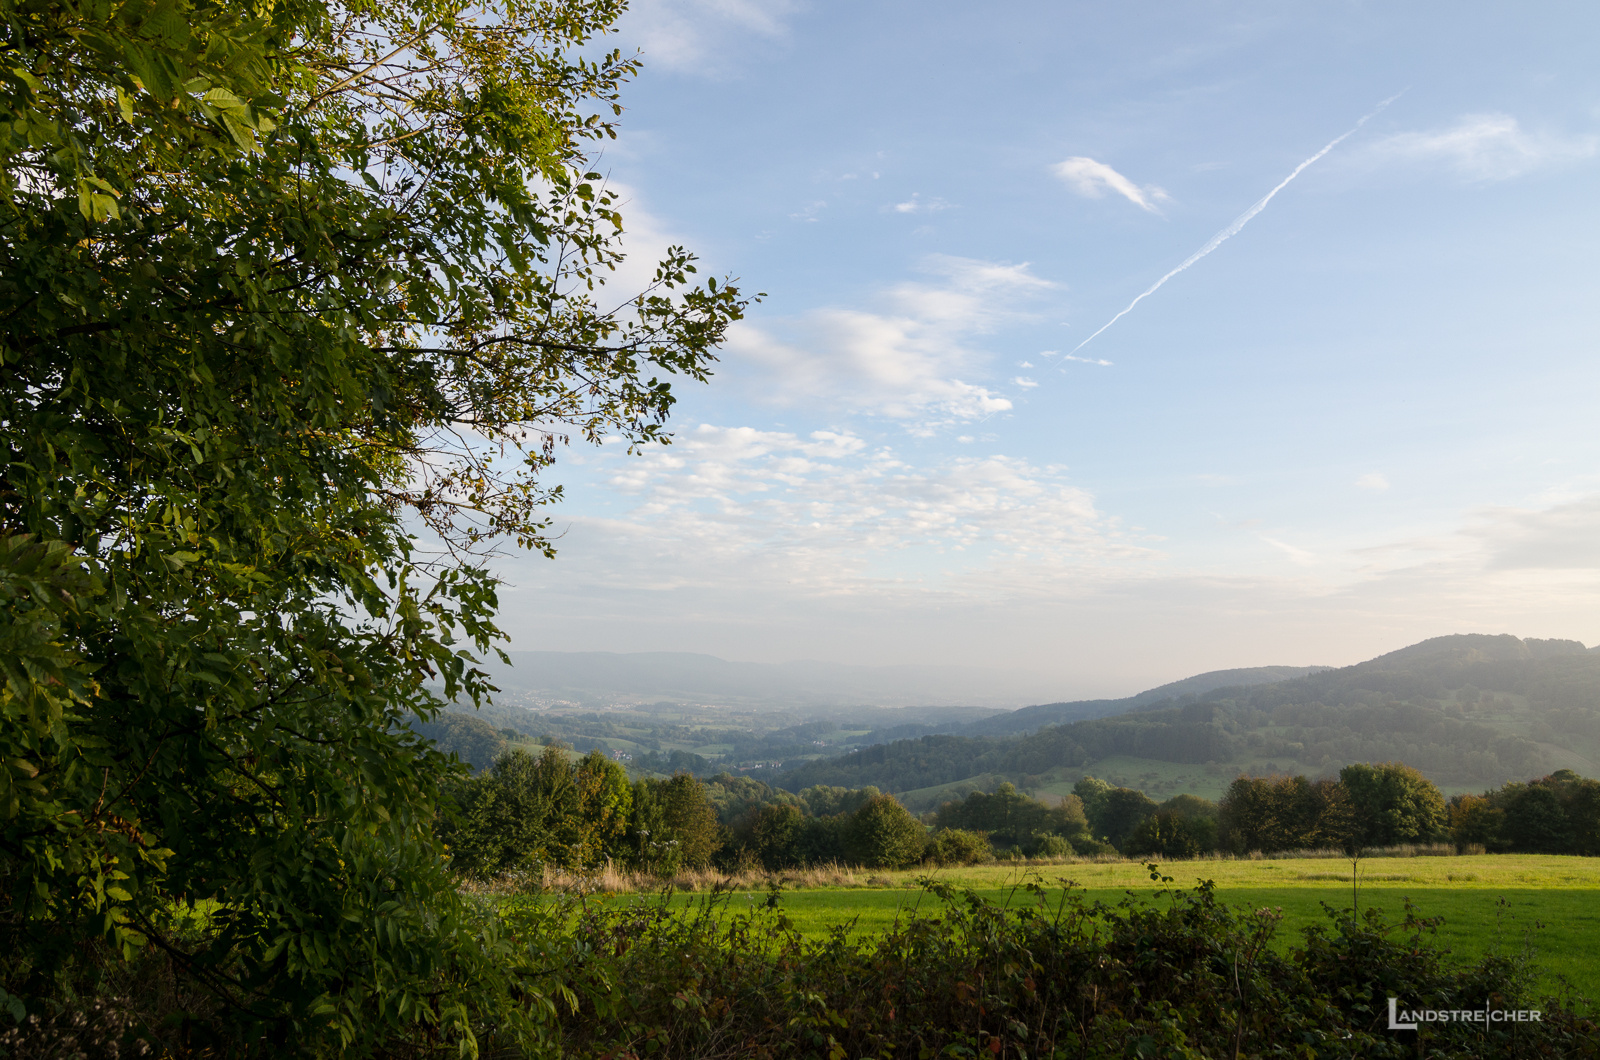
x=1031 y=719
x=1469 y=711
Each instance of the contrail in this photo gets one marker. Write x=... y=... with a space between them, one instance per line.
x=1242 y=220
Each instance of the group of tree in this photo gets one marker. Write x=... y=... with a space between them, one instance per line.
x=1557 y=814
x=1366 y=806
x=527 y=813
x=556 y=810
x=285 y=288
x=1011 y=820
x=1371 y=806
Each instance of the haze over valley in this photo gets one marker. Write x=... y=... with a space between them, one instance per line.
x=1469 y=711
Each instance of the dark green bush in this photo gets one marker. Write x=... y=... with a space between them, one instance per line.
x=1177 y=975
x=958 y=846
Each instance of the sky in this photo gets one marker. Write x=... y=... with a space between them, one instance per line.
x=1364 y=418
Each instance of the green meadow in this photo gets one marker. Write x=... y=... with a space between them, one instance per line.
x=1548 y=906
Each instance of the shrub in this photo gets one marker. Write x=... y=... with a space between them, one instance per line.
x=1049 y=846
x=958 y=846
x=1173 y=975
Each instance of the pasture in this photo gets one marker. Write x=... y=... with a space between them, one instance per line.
x=1546 y=905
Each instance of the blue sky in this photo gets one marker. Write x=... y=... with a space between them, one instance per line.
x=1365 y=419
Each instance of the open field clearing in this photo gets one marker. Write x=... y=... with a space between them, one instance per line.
x=1548 y=905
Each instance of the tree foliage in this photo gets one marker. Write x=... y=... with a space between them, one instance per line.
x=1013 y=820
x=525 y=813
x=280 y=287
x=1392 y=803
x=883 y=835
x=1557 y=814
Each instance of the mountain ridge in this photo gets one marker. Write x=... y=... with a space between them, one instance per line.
x=1469 y=710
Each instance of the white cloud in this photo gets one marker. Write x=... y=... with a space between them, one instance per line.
x=1093 y=179
x=1484 y=147
x=1295 y=554
x=1373 y=480
x=1101 y=361
x=811 y=213
x=698 y=36
x=910 y=359
x=827 y=513
x=917 y=204
x=1024 y=382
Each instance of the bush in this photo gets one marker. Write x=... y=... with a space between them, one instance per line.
x=1173 y=975
x=1049 y=846
x=958 y=846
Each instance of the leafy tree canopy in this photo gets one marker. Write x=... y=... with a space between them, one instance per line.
x=283 y=286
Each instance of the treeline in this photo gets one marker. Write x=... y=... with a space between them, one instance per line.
x=527 y=812
x=1557 y=814
x=1366 y=806
x=1383 y=805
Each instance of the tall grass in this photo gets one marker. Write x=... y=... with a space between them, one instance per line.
x=612 y=878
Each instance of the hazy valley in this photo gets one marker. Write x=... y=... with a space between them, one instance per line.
x=1469 y=711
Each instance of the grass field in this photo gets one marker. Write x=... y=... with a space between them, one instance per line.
x=1490 y=903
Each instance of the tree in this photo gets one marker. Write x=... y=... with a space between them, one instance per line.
x=605 y=802
x=1184 y=826
x=1270 y=813
x=1120 y=813
x=473 y=740
x=1172 y=835
x=674 y=825
x=1535 y=820
x=775 y=835
x=1091 y=791
x=1013 y=819
x=883 y=835
x=1474 y=821
x=1392 y=803
x=282 y=286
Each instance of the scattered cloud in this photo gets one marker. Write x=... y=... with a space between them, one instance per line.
x=783 y=545
x=697 y=36
x=1101 y=361
x=1484 y=147
x=827 y=512
x=1373 y=480
x=1024 y=382
x=910 y=358
x=810 y=213
x=1564 y=537
x=1093 y=179
x=917 y=204
x=1295 y=554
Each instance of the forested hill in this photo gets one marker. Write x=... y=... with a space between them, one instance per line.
x=1031 y=719
x=1469 y=711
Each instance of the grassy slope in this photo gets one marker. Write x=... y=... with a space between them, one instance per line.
x=1551 y=903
